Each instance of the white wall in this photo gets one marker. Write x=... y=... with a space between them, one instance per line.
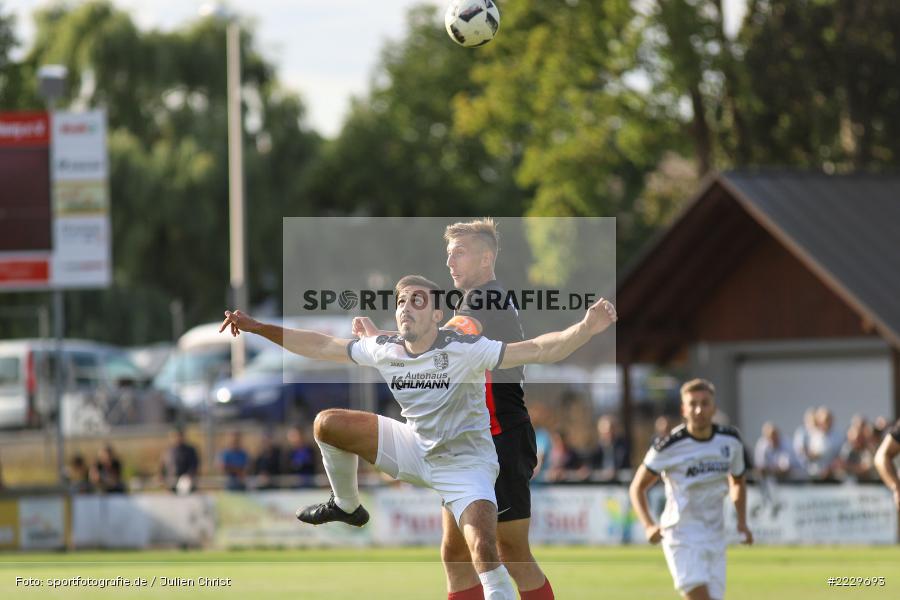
x=781 y=389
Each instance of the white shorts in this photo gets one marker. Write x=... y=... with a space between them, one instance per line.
x=459 y=484
x=693 y=565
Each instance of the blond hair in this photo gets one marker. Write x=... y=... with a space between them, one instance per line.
x=698 y=385
x=484 y=229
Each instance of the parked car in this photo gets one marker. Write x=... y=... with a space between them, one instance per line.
x=150 y=358
x=101 y=373
x=193 y=374
x=200 y=359
x=278 y=386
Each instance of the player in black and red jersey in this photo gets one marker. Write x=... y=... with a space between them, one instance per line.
x=472 y=250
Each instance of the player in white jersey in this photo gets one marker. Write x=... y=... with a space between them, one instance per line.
x=437 y=377
x=698 y=462
x=886 y=463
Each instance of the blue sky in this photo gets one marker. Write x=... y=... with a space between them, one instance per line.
x=324 y=49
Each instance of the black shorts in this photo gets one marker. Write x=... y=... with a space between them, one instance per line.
x=517 y=454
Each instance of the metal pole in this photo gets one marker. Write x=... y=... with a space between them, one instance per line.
x=58 y=327
x=236 y=187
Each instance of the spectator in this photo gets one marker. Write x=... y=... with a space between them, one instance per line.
x=267 y=464
x=563 y=459
x=233 y=462
x=300 y=458
x=773 y=458
x=2 y=485
x=661 y=428
x=543 y=442
x=78 y=476
x=802 y=435
x=106 y=472
x=824 y=446
x=180 y=465
x=879 y=428
x=612 y=453
x=857 y=459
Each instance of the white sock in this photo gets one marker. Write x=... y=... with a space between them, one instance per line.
x=497 y=585
x=341 y=466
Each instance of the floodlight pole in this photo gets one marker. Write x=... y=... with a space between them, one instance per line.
x=236 y=211
x=59 y=315
x=51 y=86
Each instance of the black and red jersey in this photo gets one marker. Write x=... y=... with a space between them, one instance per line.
x=499 y=321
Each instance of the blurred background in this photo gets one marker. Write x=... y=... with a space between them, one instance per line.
x=747 y=150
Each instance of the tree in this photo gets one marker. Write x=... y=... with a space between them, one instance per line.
x=165 y=97
x=822 y=80
x=558 y=95
x=398 y=154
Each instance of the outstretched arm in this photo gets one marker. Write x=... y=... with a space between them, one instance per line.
x=311 y=344
x=555 y=346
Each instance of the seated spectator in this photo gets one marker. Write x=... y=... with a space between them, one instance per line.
x=267 y=464
x=540 y=419
x=773 y=458
x=801 y=438
x=824 y=446
x=564 y=461
x=661 y=428
x=300 y=458
x=233 y=462
x=857 y=460
x=612 y=453
x=78 y=476
x=180 y=465
x=106 y=472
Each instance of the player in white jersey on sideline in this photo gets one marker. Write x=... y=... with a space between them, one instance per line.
x=437 y=377
x=698 y=462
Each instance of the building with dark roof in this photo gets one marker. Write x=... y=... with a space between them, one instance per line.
x=783 y=288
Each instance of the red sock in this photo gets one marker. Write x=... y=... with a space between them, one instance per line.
x=545 y=592
x=473 y=593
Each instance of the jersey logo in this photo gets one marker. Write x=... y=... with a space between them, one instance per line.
x=441 y=361
x=703 y=467
x=398 y=363
x=726 y=451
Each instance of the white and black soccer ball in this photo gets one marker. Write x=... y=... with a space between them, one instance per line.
x=472 y=23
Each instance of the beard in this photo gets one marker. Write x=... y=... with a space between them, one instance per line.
x=408 y=334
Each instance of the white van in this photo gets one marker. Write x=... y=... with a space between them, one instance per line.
x=201 y=358
x=27 y=377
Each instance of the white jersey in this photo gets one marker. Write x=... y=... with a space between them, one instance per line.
x=695 y=473
x=440 y=391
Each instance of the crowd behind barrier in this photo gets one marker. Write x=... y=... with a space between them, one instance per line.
x=816 y=451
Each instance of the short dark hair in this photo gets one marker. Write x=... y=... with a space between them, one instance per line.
x=416 y=281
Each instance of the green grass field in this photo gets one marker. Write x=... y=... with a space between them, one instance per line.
x=414 y=573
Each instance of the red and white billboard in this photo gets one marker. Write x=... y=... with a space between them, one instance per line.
x=54 y=201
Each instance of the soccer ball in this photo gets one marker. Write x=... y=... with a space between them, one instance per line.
x=472 y=23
